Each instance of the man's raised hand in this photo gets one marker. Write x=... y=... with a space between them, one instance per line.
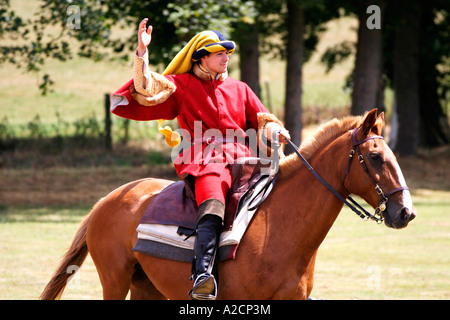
x=144 y=37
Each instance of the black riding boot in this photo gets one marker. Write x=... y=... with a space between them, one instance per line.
x=205 y=247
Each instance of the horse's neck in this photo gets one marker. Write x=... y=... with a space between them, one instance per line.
x=304 y=210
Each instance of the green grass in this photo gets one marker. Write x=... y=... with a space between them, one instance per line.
x=358 y=260
x=80 y=86
x=32 y=241
x=361 y=260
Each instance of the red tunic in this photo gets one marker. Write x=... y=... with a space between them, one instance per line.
x=221 y=105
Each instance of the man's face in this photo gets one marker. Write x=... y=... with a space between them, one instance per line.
x=216 y=62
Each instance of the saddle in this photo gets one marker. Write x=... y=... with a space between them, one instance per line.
x=167 y=227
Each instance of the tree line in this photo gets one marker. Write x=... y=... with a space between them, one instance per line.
x=401 y=44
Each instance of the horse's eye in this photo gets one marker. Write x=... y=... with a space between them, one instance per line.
x=376 y=157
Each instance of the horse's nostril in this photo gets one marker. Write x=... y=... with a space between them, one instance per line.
x=404 y=214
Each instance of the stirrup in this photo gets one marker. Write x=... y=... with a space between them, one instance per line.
x=205 y=288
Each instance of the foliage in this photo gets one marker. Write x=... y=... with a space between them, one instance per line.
x=193 y=16
x=435 y=38
x=271 y=19
x=433 y=60
x=337 y=54
x=47 y=35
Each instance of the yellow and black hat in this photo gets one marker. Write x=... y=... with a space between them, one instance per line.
x=222 y=44
x=200 y=45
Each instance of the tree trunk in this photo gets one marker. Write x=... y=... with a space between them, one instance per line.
x=434 y=128
x=249 y=56
x=293 y=105
x=367 y=73
x=406 y=78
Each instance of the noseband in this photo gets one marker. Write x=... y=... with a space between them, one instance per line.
x=360 y=211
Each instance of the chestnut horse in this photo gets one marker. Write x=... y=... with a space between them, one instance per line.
x=277 y=254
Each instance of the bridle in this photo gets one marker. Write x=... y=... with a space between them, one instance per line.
x=360 y=211
x=384 y=196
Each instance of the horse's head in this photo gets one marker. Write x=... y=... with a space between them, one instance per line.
x=376 y=176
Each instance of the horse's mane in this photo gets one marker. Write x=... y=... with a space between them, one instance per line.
x=324 y=135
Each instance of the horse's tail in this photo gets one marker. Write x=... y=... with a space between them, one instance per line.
x=71 y=262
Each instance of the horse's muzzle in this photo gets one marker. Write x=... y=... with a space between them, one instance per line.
x=406 y=215
x=403 y=217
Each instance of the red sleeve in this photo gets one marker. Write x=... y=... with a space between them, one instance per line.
x=123 y=105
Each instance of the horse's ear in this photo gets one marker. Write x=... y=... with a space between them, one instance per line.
x=379 y=125
x=373 y=123
x=369 y=121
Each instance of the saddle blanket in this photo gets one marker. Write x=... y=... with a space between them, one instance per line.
x=175 y=243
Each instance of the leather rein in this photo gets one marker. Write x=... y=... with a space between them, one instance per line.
x=350 y=202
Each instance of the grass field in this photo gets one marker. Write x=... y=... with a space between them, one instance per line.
x=358 y=260
x=43 y=196
x=361 y=260
x=32 y=241
x=41 y=211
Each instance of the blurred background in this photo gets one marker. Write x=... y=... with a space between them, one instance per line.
x=308 y=60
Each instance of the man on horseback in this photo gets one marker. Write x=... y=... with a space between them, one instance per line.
x=195 y=89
